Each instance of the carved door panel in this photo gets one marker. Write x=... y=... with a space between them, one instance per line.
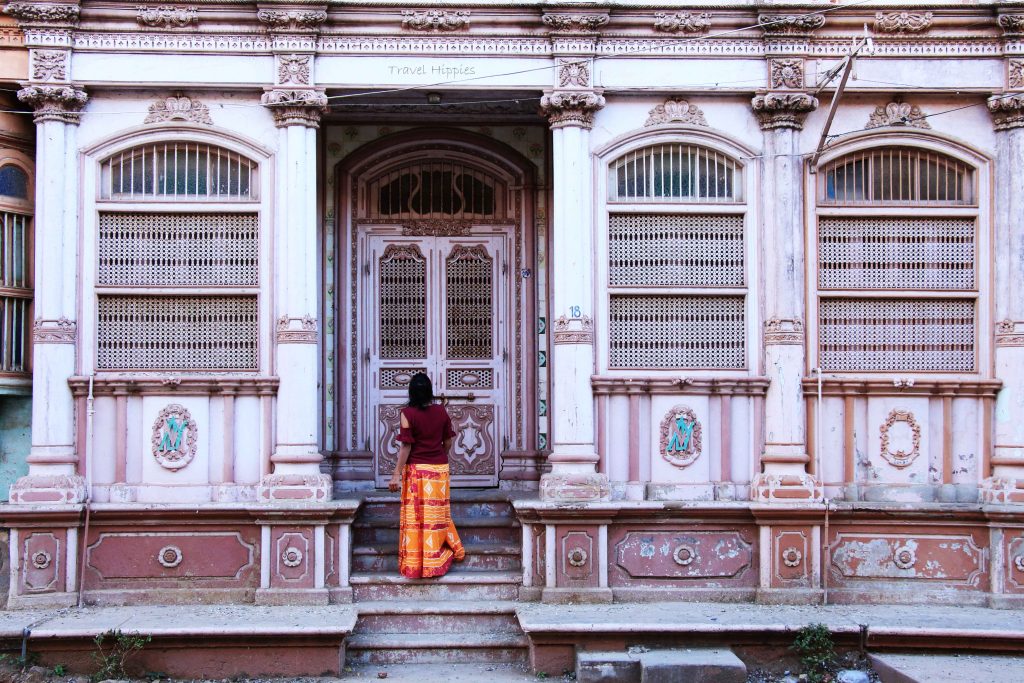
x=436 y=306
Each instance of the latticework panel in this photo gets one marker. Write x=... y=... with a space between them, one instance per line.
x=896 y=253
x=469 y=277
x=675 y=250
x=178 y=170
x=897 y=335
x=179 y=249
x=677 y=331
x=178 y=332
x=675 y=172
x=397 y=378
x=475 y=378
x=403 y=303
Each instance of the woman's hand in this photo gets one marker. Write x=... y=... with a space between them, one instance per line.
x=396 y=482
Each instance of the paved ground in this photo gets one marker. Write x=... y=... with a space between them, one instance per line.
x=948 y=668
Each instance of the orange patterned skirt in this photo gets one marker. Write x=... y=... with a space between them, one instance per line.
x=427 y=539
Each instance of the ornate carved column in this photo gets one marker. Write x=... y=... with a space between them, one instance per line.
x=1006 y=484
x=296 y=106
x=53 y=461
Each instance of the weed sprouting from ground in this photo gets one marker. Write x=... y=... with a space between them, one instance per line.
x=816 y=650
x=111 y=657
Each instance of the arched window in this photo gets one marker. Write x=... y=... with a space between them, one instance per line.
x=13 y=182
x=897 y=288
x=439 y=189
x=676 y=266
x=188 y=171
x=15 y=269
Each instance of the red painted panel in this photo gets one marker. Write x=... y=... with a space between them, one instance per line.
x=42 y=561
x=576 y=557
x=292 y=557
x=791 y=557
x=1014 y=554
x=682 y=557
x=952 y=558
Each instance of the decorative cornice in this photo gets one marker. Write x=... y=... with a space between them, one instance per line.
x=898 y=114
x=786 y=73
x=293 y=69
x=575 y=23
x=784 y=332
x=571 y=108
x=295 y=107
x=43 y=14
x=1012 y=24
x=902 y=22
x=675 y=110
x=1007 y=111
x=49 y=65
x=60 y=331
x=167 y=16
x=573 y=330
x=790 y=25
x=783 y=110
x=178 y=108
x=292 y=21
x=435 y=20
x=54 y=102
x=296 y=330
x=681 y=22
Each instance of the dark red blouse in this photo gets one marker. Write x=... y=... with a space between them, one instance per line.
x=427 y=431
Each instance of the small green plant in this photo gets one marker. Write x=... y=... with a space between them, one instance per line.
x=816 y=650
x=110 y=658
x=59 y=670
x=18 y=661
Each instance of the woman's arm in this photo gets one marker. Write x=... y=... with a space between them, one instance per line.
x=403 y=454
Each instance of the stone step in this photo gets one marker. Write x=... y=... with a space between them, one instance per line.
x=376 y=506
x=433 y=648
x=456 y=585
x=677 y=665
x=383 y=534
x=430 y=617
x=479 y=557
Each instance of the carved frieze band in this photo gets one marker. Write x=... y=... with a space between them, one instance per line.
x=54 y=102
x=60 y=331
x=902 y=22
x=573 y=330
x=296 y=330
x=571 y=108
x=295 y=107
x=779 y=331
x=438 y=227
x=776 y=110
x=435 y=20
x=167 y=16
x=790 y=25
x=178 y=107
x=1007 y=111
x=43 y=14
x=575 y=23
x=682 y=22
x=898 y=114
x=1010 y=333
x=676 y=110
x=292 y=20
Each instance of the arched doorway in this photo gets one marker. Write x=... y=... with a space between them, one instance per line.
x=438 y=262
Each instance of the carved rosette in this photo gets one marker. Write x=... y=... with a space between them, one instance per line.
x=435 y=20
x=681 y=22
x=296 y=330
x=1015 y=74
x=169 y=556
x=902 y=22
x=792 y=557
x=573 y=330
x=1007 y=111
x=905 y=556
x=293 y=69
x=571 y=108
x=41 y=559
x=577 y=557
x=681 y=435
x=295 y=107
x=167 y=16
x=900 y=458
x=676 y=110
x=49 y=65
x=573 y=72
x=1012 y=24
x=292 y=21
x=60 y=331
x=575 y=23
x=790 y=25
x=291 y=557
x=786 y=73
x=48 y=15
x=898 y=114
x=61 y=103
x=779 y=331
x=1010 y=333
x=684 y=554
x=178 y=108
x=175 y=437
x=783 y=110
x=1018 y=563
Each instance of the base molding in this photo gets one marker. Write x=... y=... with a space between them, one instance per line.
x=295 y=488
x=578 y=487
x=789 y=596
x=577 y=596
x=785 y=488
x=292 y=596
x=67 y=489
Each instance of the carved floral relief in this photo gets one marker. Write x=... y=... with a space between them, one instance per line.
x=676 y=110
x=49 y=65
x=900 y=438
x=681 y=22
x=293 y=69
x=787 y=73
x=167 y=16
x=898 y=114
x=902 y=22
x=680 y=436
x=573 y=72
x=1015 y=73
x=435 y=20
x=178 y=108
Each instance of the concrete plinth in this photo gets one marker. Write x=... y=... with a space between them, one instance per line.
x=43 y=489
x=574 y=487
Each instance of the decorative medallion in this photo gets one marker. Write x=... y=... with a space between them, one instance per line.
x=681 y=22
x=49 y=65
x=41 y=559
x=435 y=20
x=898 y=114
x=908 y=434
x=167 y=16
x=169 y=556
x=902 y=22
x=293 y=69
x=676 y=110
x=1018 y=562
x=577 y=557
x=177 y=107
x=573 y=330
x=292 y=556
x=680 y=436
x=573 y=72
x=904 y=556
x=684 y=554
x=575 y=23
x=787 y=73
x=792 y=557
x=174 y=437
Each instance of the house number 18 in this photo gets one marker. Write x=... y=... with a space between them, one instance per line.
x=574 y=311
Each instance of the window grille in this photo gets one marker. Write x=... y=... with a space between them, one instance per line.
x=677 y=331
x=896 y=253
x=178 y=332
x=897 y=175
x=15 y=291
x=397 y=378
x=178 y=249
x=14 y=326
x=441 y=189
x=474 y=378
x=169 y=171
x=14 y=267
x=403 y=302
x=13 y=182
x=897 y=335
x=675 y=250
x=469 y=280
x=675 y=172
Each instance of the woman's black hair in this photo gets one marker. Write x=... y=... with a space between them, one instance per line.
x=421 y=391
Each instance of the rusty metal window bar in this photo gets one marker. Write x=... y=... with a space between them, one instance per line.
x=169 y=171
x=438 y=190
x=15 y=291
x=675 y=172
x=897 y=176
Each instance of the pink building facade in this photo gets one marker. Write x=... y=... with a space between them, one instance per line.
x=706 y=356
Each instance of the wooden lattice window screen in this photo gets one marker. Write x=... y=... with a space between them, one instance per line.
x=469 y=275
x=178 y=249
x=178 y=170
x=897 y=176
x=675 y=172
x=177 y=332
x=675 y=331
x=403 y=302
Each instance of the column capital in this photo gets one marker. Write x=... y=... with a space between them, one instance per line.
x=776 y=110
x=1007 y=111
x=295 y=107
x=571 y=108
x=54 y=102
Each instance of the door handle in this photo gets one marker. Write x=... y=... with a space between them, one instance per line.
x=445 y=398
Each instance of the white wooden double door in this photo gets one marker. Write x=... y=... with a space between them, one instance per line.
x=438 y=305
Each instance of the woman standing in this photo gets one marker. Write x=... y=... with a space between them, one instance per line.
x=427 y=539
